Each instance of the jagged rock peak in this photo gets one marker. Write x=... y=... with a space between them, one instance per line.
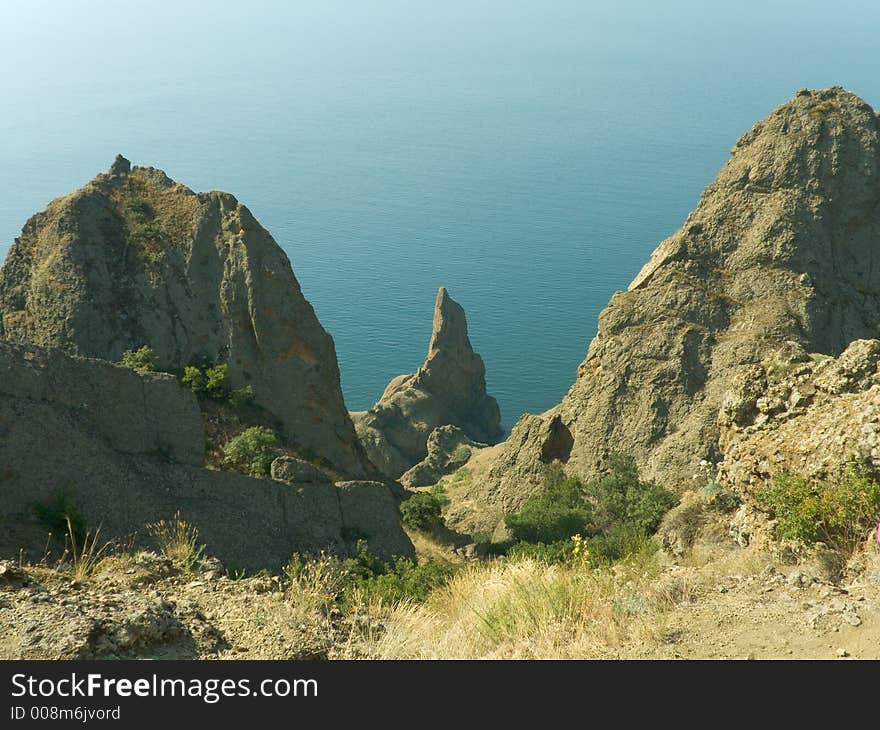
x=448 y=389
x=449 y=326
x=134 y=258
x=783 y=246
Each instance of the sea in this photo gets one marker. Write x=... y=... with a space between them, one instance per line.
x=527 y=155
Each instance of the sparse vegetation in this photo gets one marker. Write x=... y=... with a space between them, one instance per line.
x=85 y=553
x=252 y=451
x=178 y=541
x=824 y=109
x=141 y=361
x=363 y=579
x=241 y=397
x=214 y=382
x=838 y=512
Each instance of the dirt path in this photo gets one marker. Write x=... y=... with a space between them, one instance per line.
x=773 y=616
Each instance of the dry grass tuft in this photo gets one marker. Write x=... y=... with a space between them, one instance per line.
x=178 y=541
x=85 y=557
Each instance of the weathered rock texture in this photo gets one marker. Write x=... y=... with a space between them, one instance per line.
x=127 y=450
x=783 y=245
x=448 y=389
x=792 y=413
x=135 y=259
x=449 y=449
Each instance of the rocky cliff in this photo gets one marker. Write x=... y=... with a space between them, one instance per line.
x=448 y=389
x=781 y=247
x=135 y=259
x=125 y=450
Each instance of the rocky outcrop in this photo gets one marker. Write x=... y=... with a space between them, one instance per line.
x=803 y=415
x=449 y=389
x=126 y=450
x=135 y=259
x=449 y=449
x=782 y=246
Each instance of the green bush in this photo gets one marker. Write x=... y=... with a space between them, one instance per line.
x=557 y=512
x=241 y=397
x=252 y=451
x=141 y=361
x=422 y=511
x=617 y=512
x=369 y=577
x=838 y=513
x=60 y=515
x=619 y=542
x=622 y=498
x=560 y=551
x=194 y=379
x=217 y=383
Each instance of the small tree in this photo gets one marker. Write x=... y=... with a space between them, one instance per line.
x=141 y=361
x=422 y=511
x=252 y=451
x=194 y=379
x=217 y=383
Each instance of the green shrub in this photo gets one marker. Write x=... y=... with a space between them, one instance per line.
x=141 y=361
x=60 y=515
x=217 y=383
x=194 y=379
x=618 y=543
x=838 y=513
x=622 y=498
x=252 y=451
x=422 y=511
x=560 y=551
x=557 y=512
x=618 y=512
x=369 y=577
x=241 y=397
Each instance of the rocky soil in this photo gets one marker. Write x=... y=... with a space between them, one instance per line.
x=143 y=607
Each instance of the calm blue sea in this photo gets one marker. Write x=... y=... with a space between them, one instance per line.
x=528 y=155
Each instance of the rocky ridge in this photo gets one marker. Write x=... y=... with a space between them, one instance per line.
x=781 y=247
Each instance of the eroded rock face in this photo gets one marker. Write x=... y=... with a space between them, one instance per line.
x=127 y=450
x=449 y=389
x=449 y=449
x=792 y=413
x=780 y=248
x=135 y=259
